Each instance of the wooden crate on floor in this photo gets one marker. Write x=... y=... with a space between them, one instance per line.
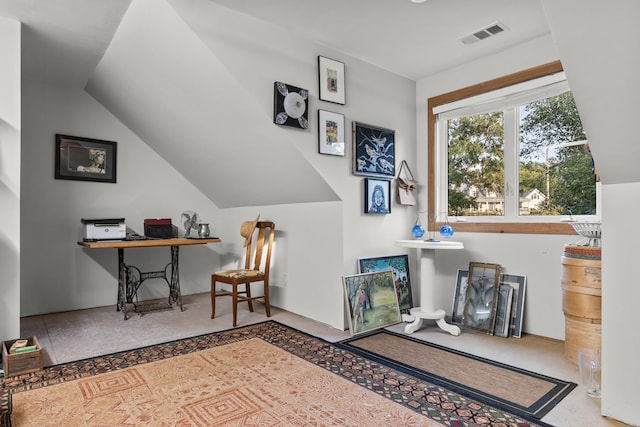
x=21 y=363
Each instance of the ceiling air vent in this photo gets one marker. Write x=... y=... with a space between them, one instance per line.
x=484 y=33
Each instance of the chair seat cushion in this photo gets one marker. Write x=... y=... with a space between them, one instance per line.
x=233 y=274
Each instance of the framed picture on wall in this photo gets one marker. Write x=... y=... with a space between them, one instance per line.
x=330 y=133
x=373 y=151
x=377 y=196
x=331 y=79
x=85 y=159
x=399 y=266
x=290 y=106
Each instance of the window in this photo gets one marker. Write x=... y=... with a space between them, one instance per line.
x=510 y=155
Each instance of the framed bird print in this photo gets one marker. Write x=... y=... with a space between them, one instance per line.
x=373 y=151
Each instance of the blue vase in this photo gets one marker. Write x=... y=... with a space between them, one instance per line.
x=446 y=231
x=417 y=231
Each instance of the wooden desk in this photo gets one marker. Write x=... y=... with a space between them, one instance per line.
x=130 y=277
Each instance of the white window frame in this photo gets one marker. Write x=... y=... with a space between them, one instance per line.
x=511 y=222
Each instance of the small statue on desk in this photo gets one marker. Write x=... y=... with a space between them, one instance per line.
x=190 y=221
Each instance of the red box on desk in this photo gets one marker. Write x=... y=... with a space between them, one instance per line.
x=159 y=228
x=21 y=363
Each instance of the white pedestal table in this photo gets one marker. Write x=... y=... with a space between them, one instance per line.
x=427 y=309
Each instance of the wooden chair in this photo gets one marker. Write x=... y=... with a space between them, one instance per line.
x=259 y=272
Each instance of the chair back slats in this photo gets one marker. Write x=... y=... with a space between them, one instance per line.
x=260 y=241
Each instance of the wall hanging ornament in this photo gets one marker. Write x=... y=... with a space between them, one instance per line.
x=290 y=106
x=418 y=230
x=446 y=231
x=406 y=186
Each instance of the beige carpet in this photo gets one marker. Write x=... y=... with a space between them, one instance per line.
x=249 y=382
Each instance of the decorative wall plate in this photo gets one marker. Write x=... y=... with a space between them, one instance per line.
x=290 y=106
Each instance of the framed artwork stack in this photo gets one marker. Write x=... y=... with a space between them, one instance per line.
x=506 y=300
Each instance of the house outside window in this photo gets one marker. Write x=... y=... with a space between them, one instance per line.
x=511 y=153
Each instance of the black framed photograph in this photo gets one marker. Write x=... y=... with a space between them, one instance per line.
x=460 y=296
x=482 y=296
x=377 y=196
x=331 y=79
x=371 y=300
x=290 y=106
x=373 y=151
x=519 y=285
x=85 y=159
x=399 y=266
x=331 y=133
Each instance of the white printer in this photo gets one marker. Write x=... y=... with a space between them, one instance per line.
x=103 y=229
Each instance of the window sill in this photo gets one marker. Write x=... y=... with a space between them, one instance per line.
x=508 y=227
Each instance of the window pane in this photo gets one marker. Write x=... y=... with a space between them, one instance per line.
x=475 y=150
x=556 y=172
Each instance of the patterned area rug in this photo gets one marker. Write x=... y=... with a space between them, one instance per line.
x=264 y=374
x=522 y=392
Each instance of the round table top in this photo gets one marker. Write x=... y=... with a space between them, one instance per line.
x=429 y=244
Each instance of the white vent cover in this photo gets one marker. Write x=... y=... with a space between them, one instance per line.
x=484 y=33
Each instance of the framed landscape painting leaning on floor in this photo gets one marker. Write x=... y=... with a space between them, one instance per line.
x=399 y=266
x=371 y=301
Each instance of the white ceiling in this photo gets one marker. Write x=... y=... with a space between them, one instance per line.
x=65 y=39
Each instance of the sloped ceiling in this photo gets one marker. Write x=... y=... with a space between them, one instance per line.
x=164 y=83
x=150 y=81
x=602 y=64
x=63 y=40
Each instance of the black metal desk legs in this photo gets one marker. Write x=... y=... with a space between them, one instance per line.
x=130 y=278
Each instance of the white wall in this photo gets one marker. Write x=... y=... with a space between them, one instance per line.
x=317 y=242
x=620 y=296
x=535 y=256
x=10 y=115
x=59 y=275
x=597 y=41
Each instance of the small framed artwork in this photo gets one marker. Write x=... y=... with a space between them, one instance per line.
x=290 y=106
x=331 y=78
x=519 y=285
x=482 y=296
x=460 y=296
x=85 y=159
x=330 y=133
x=399 y=266
x=371 y=300
x=373 y=151
x=376 y=196
x=503 y=311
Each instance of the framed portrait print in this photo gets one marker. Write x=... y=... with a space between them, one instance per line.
x=290 y=106
x=85 y=159
x=371 y=300
x=377 y=196
x=331 y=78
x=373 y=151
x=330 y=133
x=399 y=266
